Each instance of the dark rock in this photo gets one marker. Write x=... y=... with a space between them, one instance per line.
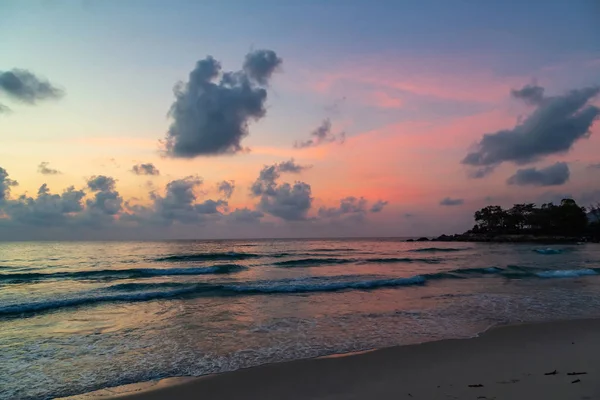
x=422 y=239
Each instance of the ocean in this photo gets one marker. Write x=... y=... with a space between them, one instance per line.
x=77 y=317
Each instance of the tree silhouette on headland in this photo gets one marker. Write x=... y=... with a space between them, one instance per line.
x=564 y=219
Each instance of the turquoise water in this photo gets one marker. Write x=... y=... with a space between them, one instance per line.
x=76 y=317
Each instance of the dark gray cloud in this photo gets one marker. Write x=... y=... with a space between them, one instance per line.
x=531 y=94
x=378 y=206
x=179 y=204
x=145 y=169
x=482 y=172
x=265 y=183
x=356 y=206
x=46 y=209
x=45 y=170
x=245 y=215
x=288 y=202
x=291 y=166
x=322 y=135
x=260 y=65
x=451 y=202
x=211 y=118
x=106 y=202
x=210 y=206
x=553 y=127
x=101 y=182
x=24 y=86
x=226 y=188
x=553 y=175
x=5 y=184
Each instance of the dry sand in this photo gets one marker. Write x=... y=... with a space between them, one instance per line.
x=505 y=363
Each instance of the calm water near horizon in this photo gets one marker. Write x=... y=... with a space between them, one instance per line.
x=80 y=316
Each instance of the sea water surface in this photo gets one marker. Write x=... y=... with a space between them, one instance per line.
x=77 y=317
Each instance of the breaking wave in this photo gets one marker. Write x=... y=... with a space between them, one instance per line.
x=121 y=273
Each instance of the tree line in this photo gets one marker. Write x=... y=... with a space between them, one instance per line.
x=564 y=219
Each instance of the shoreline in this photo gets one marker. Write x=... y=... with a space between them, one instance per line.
x=422 y=365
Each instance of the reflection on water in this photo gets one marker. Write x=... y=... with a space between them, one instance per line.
x=76 y=317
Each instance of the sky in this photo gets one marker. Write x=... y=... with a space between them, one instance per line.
x=144 y=119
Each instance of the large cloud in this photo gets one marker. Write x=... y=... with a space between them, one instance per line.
x=211 y=118
x=145 y=169
x=46 y=209
x=322 y=135
x=44 y=169
x=286 y=201
x=553 y=175
x=448 y=201
x=553 y=127
x=24 y=86
x=5 y=184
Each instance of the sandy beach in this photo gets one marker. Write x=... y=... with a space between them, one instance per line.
x=556 y=360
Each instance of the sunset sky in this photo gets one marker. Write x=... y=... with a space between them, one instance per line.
x=342 y=117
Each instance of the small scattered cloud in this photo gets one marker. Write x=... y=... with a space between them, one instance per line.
x=45 y=170
x=348 y=206
x=265 y=183
x=24 y=86
x=482 y=172
x=378 y=206
x=448 y=201
x=322 y=135
x=291 y=166
x=179 y=204
x=553 y=127
x=261 y=64
x=286 y=201
x=531 y=94
x=106 y=200
x=5 y=184
x=553 y=175
x=211 y=118
x=226 y=188
x=145 y=169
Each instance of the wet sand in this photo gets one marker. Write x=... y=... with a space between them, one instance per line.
x=559 y=360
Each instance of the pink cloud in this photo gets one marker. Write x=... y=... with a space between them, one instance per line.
x=411 y=163
x=418 y=77
x=383 y=100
